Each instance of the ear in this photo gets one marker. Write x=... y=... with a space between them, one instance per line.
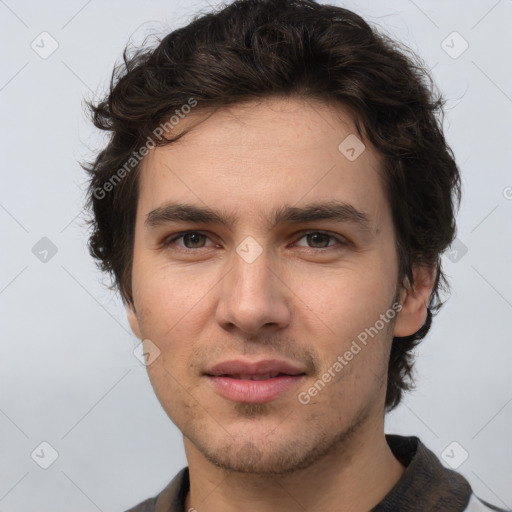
x=414 y=301
x=133 y=320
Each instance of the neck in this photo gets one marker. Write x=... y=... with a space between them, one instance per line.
x=352 y=477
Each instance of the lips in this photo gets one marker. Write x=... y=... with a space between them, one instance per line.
x=254 y=382
x=257 y=370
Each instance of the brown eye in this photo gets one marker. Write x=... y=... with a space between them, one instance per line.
x=191 y=240
x=318 y=238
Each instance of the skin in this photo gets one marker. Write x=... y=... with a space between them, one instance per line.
x=302 y=299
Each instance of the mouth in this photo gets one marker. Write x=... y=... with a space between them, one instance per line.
x=255 y=389
x=254 y=382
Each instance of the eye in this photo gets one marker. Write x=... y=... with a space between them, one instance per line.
x=321 y=238
x=191 y=240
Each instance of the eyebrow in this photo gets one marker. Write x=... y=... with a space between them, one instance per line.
x=337 y=211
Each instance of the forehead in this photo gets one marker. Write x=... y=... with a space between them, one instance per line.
x=254 y=157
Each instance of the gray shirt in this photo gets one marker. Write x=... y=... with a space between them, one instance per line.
x=425 y=486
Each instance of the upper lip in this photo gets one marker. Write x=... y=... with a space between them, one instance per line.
x=237 y=367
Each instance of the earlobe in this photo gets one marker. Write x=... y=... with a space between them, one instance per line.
x=133 y=320
x=414 y=301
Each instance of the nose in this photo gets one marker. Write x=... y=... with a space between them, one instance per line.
x=254 y=297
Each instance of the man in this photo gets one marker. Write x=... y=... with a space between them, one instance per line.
x=273 y=204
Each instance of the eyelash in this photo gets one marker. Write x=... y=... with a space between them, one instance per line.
x=342 y=242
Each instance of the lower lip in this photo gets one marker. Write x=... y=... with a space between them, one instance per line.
x=254 y=391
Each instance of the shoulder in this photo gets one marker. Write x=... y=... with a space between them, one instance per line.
x=171 y=499
x=427 y=484
x=146 y=506
x=476 y=504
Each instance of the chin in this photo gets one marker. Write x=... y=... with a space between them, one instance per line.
x=255 y=459
x=284 y=454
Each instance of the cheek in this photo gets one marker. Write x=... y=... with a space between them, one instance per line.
x=176 y=397
x=345 y=308
x=170 y=321
x=168 y=296
x=344 y=301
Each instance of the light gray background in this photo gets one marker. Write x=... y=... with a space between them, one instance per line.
x=68 y=373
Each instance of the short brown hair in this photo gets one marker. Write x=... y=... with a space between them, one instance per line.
x=253 y=49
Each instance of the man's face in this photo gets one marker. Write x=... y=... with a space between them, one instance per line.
x=298 y=292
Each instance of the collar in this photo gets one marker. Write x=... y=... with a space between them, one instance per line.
x=425 y=484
